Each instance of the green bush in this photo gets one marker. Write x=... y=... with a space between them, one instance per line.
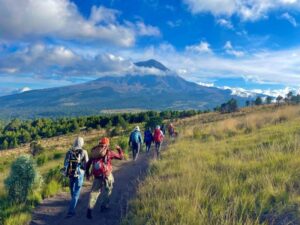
x=41 y=160
x=23 y=176
x=58 y=155
x=51 y=189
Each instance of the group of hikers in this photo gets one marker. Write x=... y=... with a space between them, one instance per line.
x=78 y=164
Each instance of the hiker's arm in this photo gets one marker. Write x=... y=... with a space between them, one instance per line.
x=85 y=159
x=66 y=162
x=119 y=155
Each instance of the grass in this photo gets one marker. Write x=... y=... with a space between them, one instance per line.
x=223 y=173
x=49 y=163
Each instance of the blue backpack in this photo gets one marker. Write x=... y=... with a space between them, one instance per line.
x=135 y=137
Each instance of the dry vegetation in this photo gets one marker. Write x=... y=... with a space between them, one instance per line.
x=241 y=168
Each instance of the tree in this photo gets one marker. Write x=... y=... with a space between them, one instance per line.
x=279 y=99
x=153 y=122
x=258 y=101
x=23 y=176
x=269 y=100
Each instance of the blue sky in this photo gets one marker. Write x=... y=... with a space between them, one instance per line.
x=243 y=45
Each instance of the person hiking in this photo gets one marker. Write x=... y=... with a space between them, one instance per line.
x=171 y=130
x=158 y=137
x=148 y=138
x=101 y=157
x=135 y=142
x=74 y=167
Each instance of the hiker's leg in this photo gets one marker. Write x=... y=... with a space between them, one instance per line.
x=78 y=181
x=109 y=181
x=138 y=147
x=71 y=185
x=133 y=151
x=95 y=192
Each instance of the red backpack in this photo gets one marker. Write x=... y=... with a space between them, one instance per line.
x=158 y=136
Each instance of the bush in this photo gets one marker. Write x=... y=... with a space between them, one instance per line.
x=51 y=189
x=23 y=176
x=58 y=155
x=41 y=160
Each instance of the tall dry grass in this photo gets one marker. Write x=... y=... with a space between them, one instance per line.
x=247 y=178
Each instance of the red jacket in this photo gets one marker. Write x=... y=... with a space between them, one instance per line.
x=102 y=166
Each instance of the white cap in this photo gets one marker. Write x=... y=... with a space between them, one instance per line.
x=137 y=128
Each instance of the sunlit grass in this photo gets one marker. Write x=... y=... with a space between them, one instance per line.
x=241 y=178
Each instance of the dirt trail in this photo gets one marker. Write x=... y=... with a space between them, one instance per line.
x=127 y=175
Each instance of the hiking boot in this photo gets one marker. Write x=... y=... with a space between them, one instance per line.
x=89 y=214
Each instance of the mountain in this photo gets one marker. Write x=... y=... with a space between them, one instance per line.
x=135 y=92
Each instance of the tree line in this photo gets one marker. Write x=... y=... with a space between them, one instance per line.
x=232 y=105
x=18 y=132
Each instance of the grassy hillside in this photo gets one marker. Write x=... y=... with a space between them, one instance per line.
x=241 y=168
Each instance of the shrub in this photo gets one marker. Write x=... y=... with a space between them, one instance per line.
x=23 y=176
x=58 y=155
x=41 y=160
x=51 y=189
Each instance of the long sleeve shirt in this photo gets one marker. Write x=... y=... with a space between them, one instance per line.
x=102 y=166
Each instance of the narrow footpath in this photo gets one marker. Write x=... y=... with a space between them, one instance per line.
x=127 y=174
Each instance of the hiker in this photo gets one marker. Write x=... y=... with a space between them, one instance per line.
x=158 y=137
x=135 y=142
x=163 y=129
x=74 y=166
x=171 y=130
x=148 y=138
x=101 y=157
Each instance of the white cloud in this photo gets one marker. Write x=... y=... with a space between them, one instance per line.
x=276 y=67
x=247 y=10
x=206 y=84
x=27 y=19
x=217 y=7
x=225 y=23
x=173 y=24
x=229 y=50
x=144 y=30
x=289 y=18
x=202 y=47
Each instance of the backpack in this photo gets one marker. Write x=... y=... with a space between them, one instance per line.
x=135 y=137
x=158 y=137
x=148 y=136
x=74 y=162
x=101 y=167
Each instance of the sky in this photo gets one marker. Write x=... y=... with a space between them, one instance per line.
x=244 y=45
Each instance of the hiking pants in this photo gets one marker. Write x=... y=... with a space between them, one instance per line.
x=157 y=148
x=148 y=146
x=75 y=187
x=135 y=150
x=104 y=185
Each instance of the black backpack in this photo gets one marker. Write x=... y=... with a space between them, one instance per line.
x=75 y=157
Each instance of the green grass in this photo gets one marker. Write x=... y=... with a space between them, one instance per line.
x=245 y=178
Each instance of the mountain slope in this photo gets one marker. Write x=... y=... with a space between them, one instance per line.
x=111 y=93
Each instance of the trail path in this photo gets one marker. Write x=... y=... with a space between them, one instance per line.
x=127 y=175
